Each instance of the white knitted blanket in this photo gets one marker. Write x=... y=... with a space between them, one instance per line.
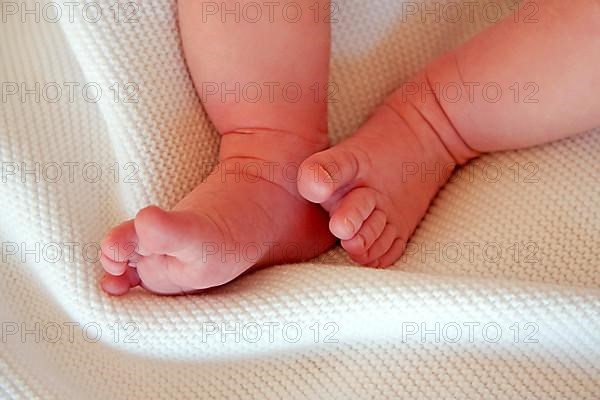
x=498 y=295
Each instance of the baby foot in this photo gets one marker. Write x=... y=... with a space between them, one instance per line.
x=243 y=216
x=378 y=184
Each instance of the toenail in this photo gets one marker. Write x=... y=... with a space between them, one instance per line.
x=349 y=225
x=323 y=172
x=361 y=241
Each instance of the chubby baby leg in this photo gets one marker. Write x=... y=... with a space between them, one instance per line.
x=257 y=81
x=378 y=184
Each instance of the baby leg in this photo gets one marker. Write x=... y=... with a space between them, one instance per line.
x=257 y=80
x=377 y=185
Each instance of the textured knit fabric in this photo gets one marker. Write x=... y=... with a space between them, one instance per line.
x=497 y=297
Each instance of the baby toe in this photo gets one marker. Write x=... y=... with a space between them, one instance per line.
x=120 y=285
x=370 y=230
x=326 y=172
x=121 y=243
x=115 y=285
x=379 y=248
x=394 y=253
x=352 y=211
x=112 y=267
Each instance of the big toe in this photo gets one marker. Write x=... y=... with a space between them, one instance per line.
x=352 y=210
x=327 y=172
x=119 y=247
x=120 y=285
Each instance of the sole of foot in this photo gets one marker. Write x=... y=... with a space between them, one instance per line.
x=228 y=225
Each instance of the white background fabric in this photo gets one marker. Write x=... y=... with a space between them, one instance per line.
x=546 y=229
